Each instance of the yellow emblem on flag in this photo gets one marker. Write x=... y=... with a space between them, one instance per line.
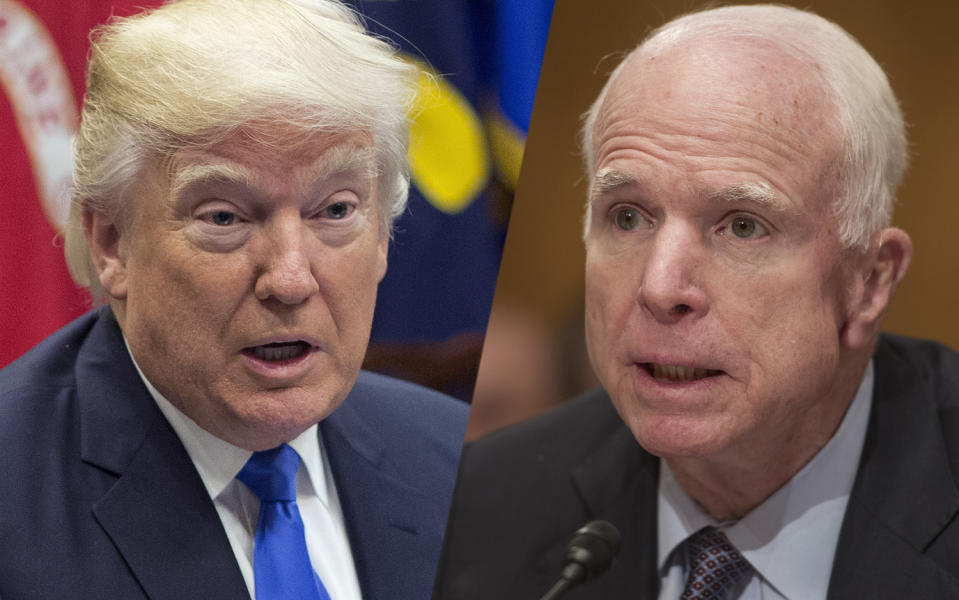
x=449 y=161
x=507 y=142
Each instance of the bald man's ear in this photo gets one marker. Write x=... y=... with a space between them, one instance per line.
x=881 y=270
x=107 y=251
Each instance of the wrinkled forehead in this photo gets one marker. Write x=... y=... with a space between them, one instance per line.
x=699 y=83
x=280 y=162
x=282 y=149
x=271 y=142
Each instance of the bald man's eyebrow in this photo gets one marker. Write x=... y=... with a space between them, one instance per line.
x=742 y=195
x=610 y=180
x=760 y=195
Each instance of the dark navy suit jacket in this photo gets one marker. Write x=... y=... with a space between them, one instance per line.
x=99 y=499
x=523 y=491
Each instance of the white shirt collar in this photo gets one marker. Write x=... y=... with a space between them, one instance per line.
x=790 y=539
x=218 y=461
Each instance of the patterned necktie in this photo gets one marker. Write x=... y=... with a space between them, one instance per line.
x=281 y=563
x=715 y=566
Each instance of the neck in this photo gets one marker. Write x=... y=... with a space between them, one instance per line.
x=733 y=483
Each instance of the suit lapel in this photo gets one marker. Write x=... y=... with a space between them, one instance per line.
x=382 y=511
x=903 y=498
x=616 y=482
x=158 y=514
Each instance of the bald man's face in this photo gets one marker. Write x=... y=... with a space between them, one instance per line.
x=716 y=285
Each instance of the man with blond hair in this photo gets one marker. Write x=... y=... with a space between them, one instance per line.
x=755 y=437
x=208 y=433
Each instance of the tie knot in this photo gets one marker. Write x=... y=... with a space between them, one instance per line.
x=715 y=566
x=271 y=474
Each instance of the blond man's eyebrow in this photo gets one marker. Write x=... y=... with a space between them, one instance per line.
x=337 y=159
x=202 y=174
x=347 y=157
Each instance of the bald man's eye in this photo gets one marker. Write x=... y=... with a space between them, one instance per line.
x=627 y=219
x=746 y=228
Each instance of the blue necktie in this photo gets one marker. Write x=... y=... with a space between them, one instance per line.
x=281 y=563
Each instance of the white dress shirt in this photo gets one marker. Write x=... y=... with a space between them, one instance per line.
x=218 y=463
x=790 y=539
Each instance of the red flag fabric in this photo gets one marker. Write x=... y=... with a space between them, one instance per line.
x=43 y=49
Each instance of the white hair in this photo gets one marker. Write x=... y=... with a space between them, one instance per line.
x=874 y=152
x=194 y=72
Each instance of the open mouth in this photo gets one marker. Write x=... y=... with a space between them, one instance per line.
x=677 y=373
x=279 y=352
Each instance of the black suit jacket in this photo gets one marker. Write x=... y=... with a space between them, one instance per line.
x=99 y=499
x=523 y=491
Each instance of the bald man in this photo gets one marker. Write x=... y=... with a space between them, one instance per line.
x=755 y=436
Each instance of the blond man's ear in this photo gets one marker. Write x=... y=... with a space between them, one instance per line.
x=107 y=252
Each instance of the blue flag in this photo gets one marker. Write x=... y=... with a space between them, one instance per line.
x=466 y=145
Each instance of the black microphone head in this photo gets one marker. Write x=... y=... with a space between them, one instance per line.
x=593 y=547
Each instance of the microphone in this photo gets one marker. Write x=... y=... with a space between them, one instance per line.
x=588 y=555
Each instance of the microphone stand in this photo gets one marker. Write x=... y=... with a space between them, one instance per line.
x=573 y=573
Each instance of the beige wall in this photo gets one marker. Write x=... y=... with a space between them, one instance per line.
x=917 y=44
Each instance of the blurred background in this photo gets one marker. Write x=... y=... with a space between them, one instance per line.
x=535 y=355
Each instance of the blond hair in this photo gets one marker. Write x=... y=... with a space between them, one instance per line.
x=193 y=72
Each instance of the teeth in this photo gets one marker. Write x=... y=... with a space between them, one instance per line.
x=279 y=352
x=677 y=373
